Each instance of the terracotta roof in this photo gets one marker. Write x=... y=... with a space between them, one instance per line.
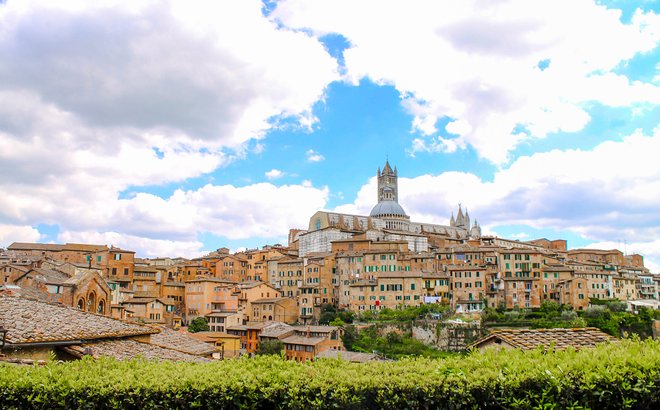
x=302 y=340
x=126 y=349
x=221 y=314
x=355 y=357
x=212 y=337
x=34 y=246
x=144 y=300
x=182 y=342
x=316 y=329
x=30 y=292
x=277 y=330
x=529 y=339
x=268 y=300
x=30 y=321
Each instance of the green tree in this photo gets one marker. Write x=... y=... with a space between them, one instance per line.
x=270 y=346
x=199 y=324
x=349 y=337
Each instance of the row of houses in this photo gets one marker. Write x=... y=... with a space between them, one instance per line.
x=358 y=274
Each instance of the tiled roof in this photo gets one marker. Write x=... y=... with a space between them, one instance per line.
x=181 y=342
x=276 y=330
x=221 y=314
x=302 y=340
x=30 y=321
x=212 y=337
x=126 y=349
x=34 y=246
x=356 y=357
x=49 y=276
x=529 y=339
x=268 y=300
x=316 y=329
x=29 y=292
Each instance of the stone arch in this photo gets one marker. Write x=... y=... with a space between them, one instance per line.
x=81 y=304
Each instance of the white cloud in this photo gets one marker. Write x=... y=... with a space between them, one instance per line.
x=313 y=156
x=477 y=62
x=101 y=98
x=608 y=193
x=17 y=233
x=144 y=247
x=274 y=174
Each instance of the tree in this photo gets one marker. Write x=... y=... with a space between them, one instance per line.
x=199 y=324
x=349 y=337
x=270 y=346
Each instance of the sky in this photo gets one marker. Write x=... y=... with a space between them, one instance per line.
x=174 y=127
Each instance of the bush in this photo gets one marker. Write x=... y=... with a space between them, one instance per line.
x=611 y=376
x=270 y=347
x=199 y=324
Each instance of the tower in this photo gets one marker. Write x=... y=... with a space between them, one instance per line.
x=388 y=186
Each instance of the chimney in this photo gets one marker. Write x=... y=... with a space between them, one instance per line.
x=308 y=331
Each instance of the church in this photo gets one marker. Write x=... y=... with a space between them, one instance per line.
x=387 y=221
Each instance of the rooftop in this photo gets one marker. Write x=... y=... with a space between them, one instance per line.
x=530 y=339
x=31 y=321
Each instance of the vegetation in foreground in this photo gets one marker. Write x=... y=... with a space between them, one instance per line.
x=625 y=374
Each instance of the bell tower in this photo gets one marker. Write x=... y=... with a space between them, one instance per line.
x=388 y=186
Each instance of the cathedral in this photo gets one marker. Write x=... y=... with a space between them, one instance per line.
x=387 y=221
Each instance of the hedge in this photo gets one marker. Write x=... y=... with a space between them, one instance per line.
x=625 y=374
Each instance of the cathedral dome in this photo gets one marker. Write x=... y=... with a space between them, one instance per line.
x=388 y=209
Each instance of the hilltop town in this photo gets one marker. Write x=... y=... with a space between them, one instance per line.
x=357 y=263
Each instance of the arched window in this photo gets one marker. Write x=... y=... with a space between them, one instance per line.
x=270 y=318
x=81 y=304
x=91 y=302
x=101 y=307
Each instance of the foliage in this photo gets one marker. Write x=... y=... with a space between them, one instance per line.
x=609 y=316
x=330 y=314
x=404 y=314
x=393 y=345
x=270 y=346
x=199 y=324
x=349 y=337
x=612 y=376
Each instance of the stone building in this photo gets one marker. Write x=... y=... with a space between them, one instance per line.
x=387 y=221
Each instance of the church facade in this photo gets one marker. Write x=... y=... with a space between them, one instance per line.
x=387 y=221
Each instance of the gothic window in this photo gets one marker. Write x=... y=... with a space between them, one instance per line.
x=81 y=303
x=101 y=307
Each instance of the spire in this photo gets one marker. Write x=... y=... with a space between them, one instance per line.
x=452 y=221
x=460 y=219
x=387 y=169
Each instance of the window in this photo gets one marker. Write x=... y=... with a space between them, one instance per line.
x=126 y=271
x=117 y=256
x=412 y=286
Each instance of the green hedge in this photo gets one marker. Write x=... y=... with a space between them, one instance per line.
x=613 y=376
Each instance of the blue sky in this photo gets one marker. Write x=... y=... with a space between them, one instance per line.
x=174 y=129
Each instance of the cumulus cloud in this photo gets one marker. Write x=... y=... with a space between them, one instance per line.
x=313 y=156
x=17 y=233
x=97 y=98
x=274 y=174
x=502 y=72
x=609 y=193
